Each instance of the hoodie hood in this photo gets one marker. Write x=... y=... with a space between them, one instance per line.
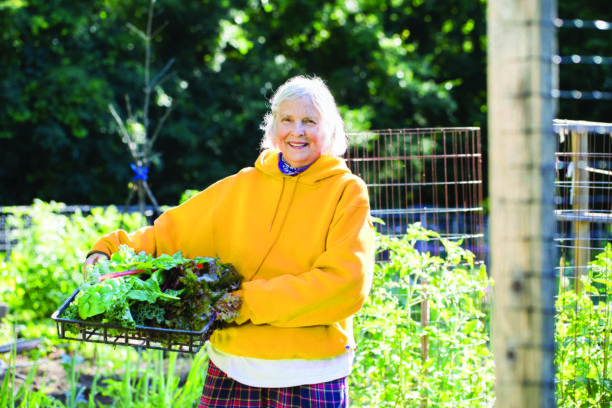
x=325 y=166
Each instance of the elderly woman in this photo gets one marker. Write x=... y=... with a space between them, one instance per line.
x=296 y=227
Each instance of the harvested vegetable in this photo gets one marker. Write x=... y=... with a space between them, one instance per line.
x=102 y=278
x=169 y=292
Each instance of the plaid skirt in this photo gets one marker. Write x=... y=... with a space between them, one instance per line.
x=224 y=392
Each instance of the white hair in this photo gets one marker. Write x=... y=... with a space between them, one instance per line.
x=336 y=141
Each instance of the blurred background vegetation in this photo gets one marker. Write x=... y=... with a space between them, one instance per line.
x=390 y=64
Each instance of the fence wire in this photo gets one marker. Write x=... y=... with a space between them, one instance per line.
x=583 y=200
x=430 y=175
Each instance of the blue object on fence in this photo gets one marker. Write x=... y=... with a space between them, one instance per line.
x=141 y=172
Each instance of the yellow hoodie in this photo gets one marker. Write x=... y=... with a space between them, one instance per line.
x=304 y=246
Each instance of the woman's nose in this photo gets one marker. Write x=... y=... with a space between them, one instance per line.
x=300 y=128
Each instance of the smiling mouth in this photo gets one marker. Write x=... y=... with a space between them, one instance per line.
x=297 y=144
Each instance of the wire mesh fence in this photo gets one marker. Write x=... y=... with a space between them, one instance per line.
x=583 y=190
x=583 y=200
x=430 y=175
x=434 y=314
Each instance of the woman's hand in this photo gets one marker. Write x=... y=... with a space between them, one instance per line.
x=92 y=260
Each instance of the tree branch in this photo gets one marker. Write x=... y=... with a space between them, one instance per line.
x=159 y=30
x=159 y=126
x=137 y=31
x=124 y=132
x=162 y=72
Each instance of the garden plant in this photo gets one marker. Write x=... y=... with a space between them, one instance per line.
x=583 y=331
x=423 y=333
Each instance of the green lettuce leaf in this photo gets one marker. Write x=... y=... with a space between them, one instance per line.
x=170 y=291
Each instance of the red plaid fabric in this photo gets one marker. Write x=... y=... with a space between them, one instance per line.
x=221 y=391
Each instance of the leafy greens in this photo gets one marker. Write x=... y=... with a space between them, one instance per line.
x=169 y=291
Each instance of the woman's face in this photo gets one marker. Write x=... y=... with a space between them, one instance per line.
x=299 y=133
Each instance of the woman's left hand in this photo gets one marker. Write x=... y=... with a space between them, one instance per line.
x=92 y=260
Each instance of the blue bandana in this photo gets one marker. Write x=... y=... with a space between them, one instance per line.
x=286 y=168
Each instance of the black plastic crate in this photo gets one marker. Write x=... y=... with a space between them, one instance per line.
x=142 y=336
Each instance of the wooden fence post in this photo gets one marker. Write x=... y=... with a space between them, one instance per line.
x=521 y=78
x=424 y=337
x=580 y=205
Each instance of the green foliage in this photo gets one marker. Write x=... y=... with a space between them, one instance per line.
x=196 y=289
x=136 y=379
x=44 y=266
x=423 y=336
x=145 y=312
x=74 y=394
x=391 y=64
x=187 y=194
x=156 y=384
x=392 y=367
x=584 y=327
x=16 y=393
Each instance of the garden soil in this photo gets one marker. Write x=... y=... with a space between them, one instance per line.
x=51 y=376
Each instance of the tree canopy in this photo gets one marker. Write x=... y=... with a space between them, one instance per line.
x=389 y=63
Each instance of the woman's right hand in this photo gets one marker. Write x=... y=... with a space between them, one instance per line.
x=92 y=260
